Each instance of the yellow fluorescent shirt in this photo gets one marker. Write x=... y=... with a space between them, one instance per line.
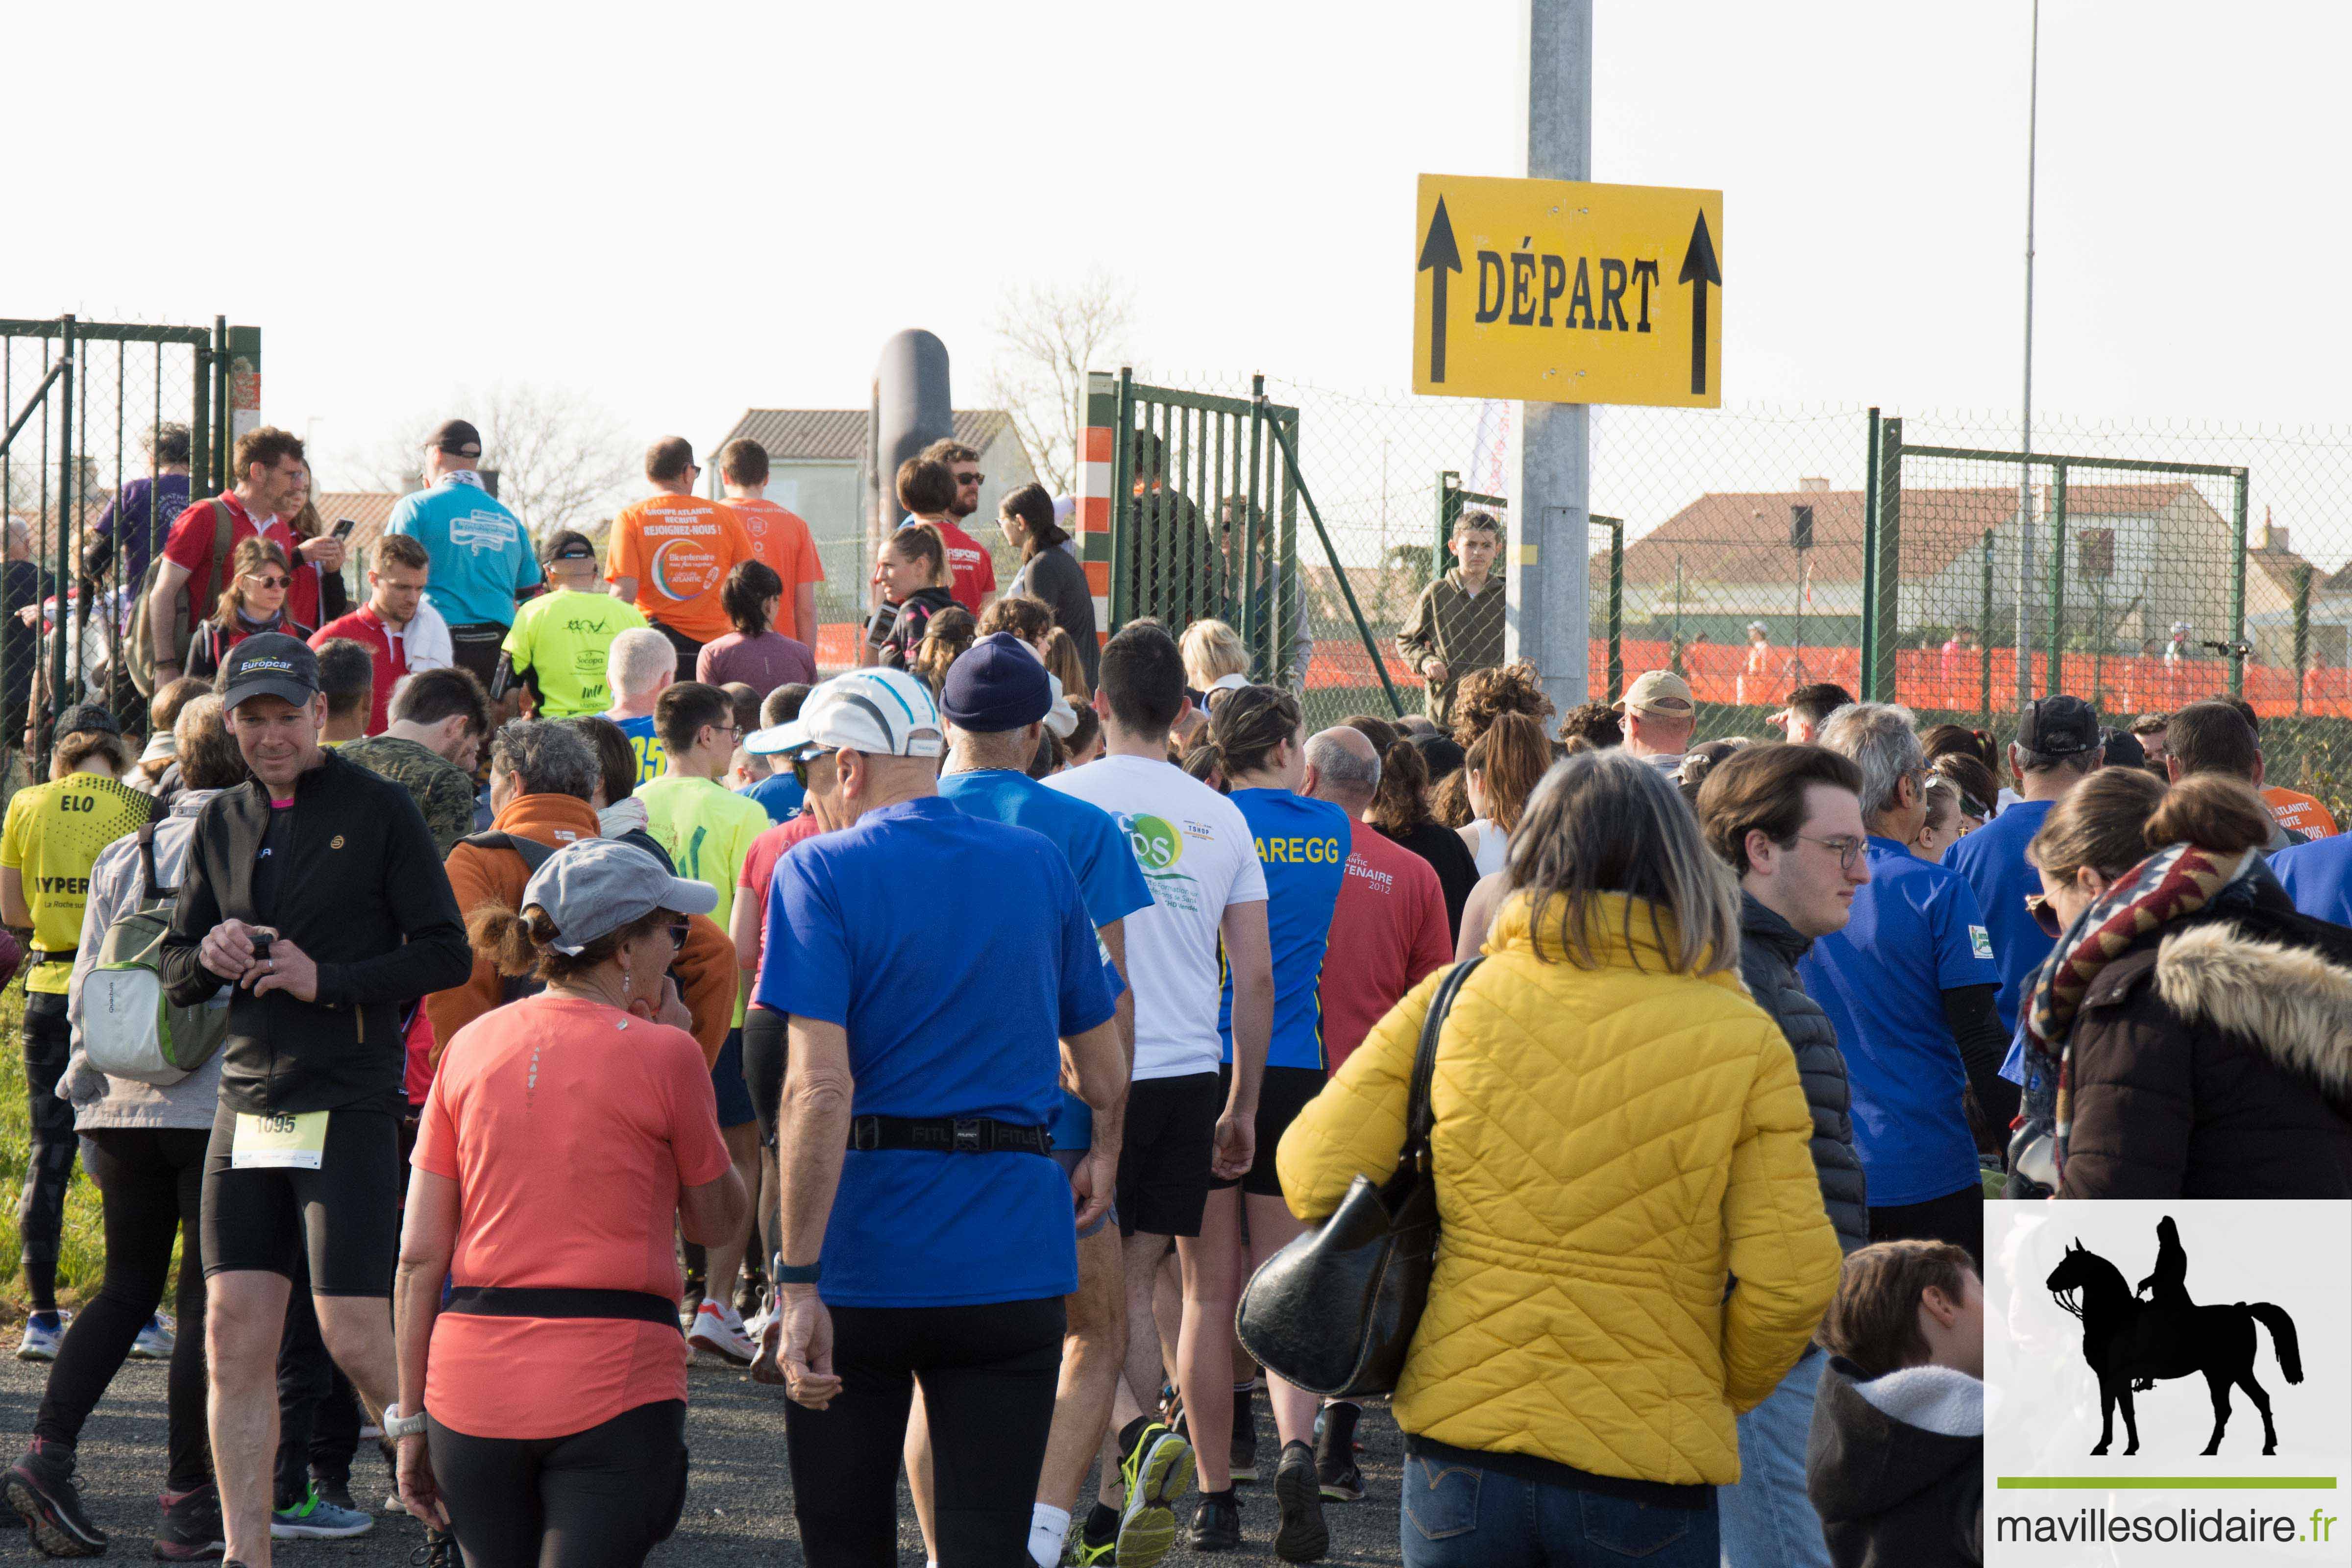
x=708 y=830
x=562 y=637
x=51 y=838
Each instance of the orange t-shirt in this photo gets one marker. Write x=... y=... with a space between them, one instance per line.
x=570 y=1128
x=780 y=539
x=2297 y=811
x=679 y=549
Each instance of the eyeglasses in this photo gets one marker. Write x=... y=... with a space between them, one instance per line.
x=1849 y=850
x=679 y=929
x=270 y=582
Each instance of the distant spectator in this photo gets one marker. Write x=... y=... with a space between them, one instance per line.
x=780 y=539
x=1809 y=706
x=440 y=720
x=399 y=628
x=254 y=603
x=1595 y=722
x=1980 y=790
x=1390 y=926
x=754 y=653
x=670 y=554
x=1502 y=770
x=780 y=794
x=155 y=772
x=1215 y=660
x=2216 y=737
x=479 y=553
x=142 y=514
x=1069 y=663
x=1049 y=574
x=2149 y=729
x=1896 y=1466
x=560 y=640
x=637 y=674
x=1939 y=829
x=1949 y=740
x=941 y=486
x=1660 y=714
x=270 y=468
x=1456 y=626
x=1400 y=809
x=1480 y=696
x=912 y=582
x=1703 y=759
x=946 y=636
x=2121 y=749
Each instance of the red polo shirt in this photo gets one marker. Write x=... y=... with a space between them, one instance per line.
x=389 y=649
x=191 y=545
x=1388 y=931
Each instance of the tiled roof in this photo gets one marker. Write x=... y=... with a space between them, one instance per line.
x=370 y=508
x=1743 y=536
x=838 y=435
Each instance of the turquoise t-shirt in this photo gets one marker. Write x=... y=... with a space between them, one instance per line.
x=1302 y=846
x=481 y=554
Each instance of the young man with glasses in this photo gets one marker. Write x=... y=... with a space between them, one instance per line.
x=670 y=554
x=975 y=570
x=400 y=630
x=1909 y=983
x=707 y=831
x=1787 y=819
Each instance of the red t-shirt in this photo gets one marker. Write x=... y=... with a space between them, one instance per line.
x=570 y=1129
x=388 y=648
x=760 y=867
x=975 y=573
x=190 y=544
x=1388 y=931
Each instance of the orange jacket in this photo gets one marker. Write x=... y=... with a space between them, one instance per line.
x=705 y=967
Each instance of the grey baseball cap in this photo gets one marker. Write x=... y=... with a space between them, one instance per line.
x=599 y=885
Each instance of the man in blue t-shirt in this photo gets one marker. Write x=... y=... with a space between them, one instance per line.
x=2318 y=877
x=995 y=698
x=481 y=554
x=923 y=1043
x=635 y=669
x=2057 y=747
x=1909 y=987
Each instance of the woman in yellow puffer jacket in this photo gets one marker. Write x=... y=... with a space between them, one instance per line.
x=1631 y=1246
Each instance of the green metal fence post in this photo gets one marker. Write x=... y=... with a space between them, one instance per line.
x=1984 y=640
x=1869 y=548
x=2302 y=631
x=2238 y=589
x=201 y=481
x=60 y=568
x=2054 y=679
x=224 y=440
x=1449 y=507
x=1887 y=552
x=1616 y=527
x=1122 y=503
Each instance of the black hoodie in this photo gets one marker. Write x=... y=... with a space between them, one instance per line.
x=1891 y=1494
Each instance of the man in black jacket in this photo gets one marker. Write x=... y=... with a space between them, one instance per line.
x=314 y=893
x=1788 y=821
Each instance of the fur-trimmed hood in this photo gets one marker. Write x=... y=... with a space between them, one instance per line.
x=2294 y=1002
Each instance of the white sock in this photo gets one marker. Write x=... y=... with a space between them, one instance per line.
x=1048 y=1527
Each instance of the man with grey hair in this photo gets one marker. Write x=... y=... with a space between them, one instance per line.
x=1909 y=985
x=639 y=667
x=1388 y=930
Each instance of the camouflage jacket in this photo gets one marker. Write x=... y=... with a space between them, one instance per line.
x=442 y=793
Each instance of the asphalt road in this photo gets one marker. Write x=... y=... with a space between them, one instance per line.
x=739 y=1507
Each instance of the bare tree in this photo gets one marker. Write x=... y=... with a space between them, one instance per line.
x=1048 y=336
x=561 y=458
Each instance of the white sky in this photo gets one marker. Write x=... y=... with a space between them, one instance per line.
x=691 y=207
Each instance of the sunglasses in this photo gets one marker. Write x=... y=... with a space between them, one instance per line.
x=2045 y=915
x=678 y=931
x=970 y=481
x=270 y=582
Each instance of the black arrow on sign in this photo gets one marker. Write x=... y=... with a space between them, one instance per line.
x=1438 y=253
x=1699 y=270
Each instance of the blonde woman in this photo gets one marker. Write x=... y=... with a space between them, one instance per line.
x=1214 y=659
x=255 y=601
x=1631 y=1221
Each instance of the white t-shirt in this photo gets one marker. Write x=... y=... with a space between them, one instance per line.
x=1197 y=856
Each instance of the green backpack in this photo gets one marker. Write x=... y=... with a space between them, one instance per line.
x=130 y=1028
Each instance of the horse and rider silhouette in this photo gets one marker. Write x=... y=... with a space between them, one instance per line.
x=2130 y=1343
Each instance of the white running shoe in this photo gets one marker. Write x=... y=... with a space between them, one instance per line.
x=154 y=1341
x=718 y=1331
x=44 y=1332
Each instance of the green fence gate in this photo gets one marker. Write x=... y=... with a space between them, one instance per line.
x=84 y=401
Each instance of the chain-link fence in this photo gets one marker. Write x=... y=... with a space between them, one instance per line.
x=1747 y=560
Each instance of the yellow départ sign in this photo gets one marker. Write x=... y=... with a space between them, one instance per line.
x=1560 y=291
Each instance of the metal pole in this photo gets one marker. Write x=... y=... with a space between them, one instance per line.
x=1546 y=576
x=2025 y=468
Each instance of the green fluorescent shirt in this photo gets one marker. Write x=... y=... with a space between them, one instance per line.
x=562 y=637
x=708 y=830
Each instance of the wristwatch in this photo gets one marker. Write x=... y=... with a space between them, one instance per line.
x=396 y=1425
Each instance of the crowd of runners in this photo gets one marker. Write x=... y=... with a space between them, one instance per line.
x=534 y=978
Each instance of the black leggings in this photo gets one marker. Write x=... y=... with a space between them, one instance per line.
x=152 y=1182
x=49 y=1162
x=764 y=1075
x=599 y=1499
x=988 y=1377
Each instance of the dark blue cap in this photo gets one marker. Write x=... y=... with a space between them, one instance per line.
x=998 y=684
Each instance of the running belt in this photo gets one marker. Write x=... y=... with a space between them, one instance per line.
x=503 y=1302
x=949 y=1135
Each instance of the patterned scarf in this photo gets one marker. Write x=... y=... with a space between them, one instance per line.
x=2163 y=890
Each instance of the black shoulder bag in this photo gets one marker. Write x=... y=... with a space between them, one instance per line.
x=1334 y=1311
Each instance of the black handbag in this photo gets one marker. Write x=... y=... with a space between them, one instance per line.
x=1335 y=1311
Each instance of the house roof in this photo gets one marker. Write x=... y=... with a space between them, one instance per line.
x=370 y=508
x=838 y=435
x=1743 y=536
